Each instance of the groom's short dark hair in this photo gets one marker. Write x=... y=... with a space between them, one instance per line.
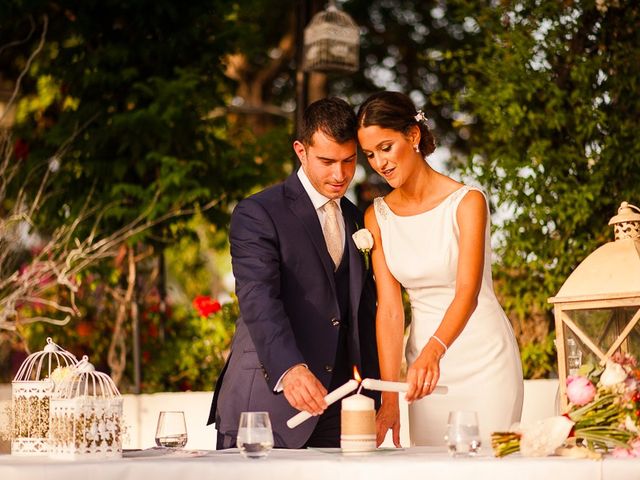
x=332 y=116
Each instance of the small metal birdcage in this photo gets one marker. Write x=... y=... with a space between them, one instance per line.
x=30 y=398
x=86 y=416
x=331 y=42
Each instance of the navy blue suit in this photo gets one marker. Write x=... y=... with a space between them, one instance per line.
x=290 y=312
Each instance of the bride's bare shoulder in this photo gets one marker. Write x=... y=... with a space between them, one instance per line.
x=370 y=219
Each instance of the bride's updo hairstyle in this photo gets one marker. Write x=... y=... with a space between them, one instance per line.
x=395 y=111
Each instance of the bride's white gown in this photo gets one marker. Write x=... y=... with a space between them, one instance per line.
x=482 y=367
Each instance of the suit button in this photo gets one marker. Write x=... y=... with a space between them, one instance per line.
x=328 y=368
x=335 y=322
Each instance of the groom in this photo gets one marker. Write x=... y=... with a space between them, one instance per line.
x=307 y=302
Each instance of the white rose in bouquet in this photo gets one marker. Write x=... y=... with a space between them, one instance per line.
x=614 y=373
x=544 y=436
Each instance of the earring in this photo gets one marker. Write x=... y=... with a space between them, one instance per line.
x=416 y=147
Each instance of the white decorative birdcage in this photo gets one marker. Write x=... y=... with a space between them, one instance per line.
x=30 y=398
x=331 y=42
x=86 y=416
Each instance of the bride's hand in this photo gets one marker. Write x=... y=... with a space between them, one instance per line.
x=424 y=374
x=388 y=417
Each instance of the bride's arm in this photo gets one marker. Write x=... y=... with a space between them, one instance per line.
x=472 y=220
x=389 y=331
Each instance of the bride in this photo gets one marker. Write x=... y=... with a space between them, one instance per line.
x=431 y=236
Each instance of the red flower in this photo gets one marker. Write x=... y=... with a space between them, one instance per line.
x=84 y=329
x=155 y=308
x=20 y=149
x=153 y=331
x=572 y=433
x=205 y=305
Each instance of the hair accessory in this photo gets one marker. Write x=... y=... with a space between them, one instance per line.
x=420 y=118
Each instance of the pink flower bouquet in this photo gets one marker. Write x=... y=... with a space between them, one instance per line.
x=603 y=413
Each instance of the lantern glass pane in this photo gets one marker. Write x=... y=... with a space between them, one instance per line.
x=603 y=326
x=633 y=342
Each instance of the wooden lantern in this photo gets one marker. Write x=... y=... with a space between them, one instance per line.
x=331 y=42
x=598 y=308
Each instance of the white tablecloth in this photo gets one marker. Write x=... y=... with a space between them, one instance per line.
x=408 y=464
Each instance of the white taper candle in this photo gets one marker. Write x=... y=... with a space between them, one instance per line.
x=330 y=398
x=386 y=386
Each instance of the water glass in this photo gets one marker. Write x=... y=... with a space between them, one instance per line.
x=255 y=438
x=463 y=435
x=171 y=431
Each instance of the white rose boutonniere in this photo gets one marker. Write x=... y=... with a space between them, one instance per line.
x=364 y=241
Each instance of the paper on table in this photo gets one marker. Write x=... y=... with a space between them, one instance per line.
x=377 y=451
x=163 y=452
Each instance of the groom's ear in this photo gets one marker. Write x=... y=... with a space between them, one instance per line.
x=301 y=151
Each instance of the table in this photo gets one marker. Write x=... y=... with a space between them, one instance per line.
x=413 y=463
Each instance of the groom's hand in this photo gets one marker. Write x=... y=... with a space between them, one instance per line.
x=304 y=391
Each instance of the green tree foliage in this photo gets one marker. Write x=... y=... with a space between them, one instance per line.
x=552 y=96
x=181 y=348
x=402 y=48
x=137 y=92
x=142 y=81
x=401 y=43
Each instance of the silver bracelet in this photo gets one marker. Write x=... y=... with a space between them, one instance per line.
x=444 y=345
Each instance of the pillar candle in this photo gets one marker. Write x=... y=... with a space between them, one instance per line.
x=358 y=424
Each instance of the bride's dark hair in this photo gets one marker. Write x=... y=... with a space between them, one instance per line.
x=395 y=111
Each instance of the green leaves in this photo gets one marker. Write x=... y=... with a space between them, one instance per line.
x=135 y=84
x=552 y=139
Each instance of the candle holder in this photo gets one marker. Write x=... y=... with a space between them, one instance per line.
x=358 y=424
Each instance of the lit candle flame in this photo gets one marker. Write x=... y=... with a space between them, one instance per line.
x=356 y=375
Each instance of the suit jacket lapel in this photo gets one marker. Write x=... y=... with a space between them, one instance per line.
x=302 y=208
